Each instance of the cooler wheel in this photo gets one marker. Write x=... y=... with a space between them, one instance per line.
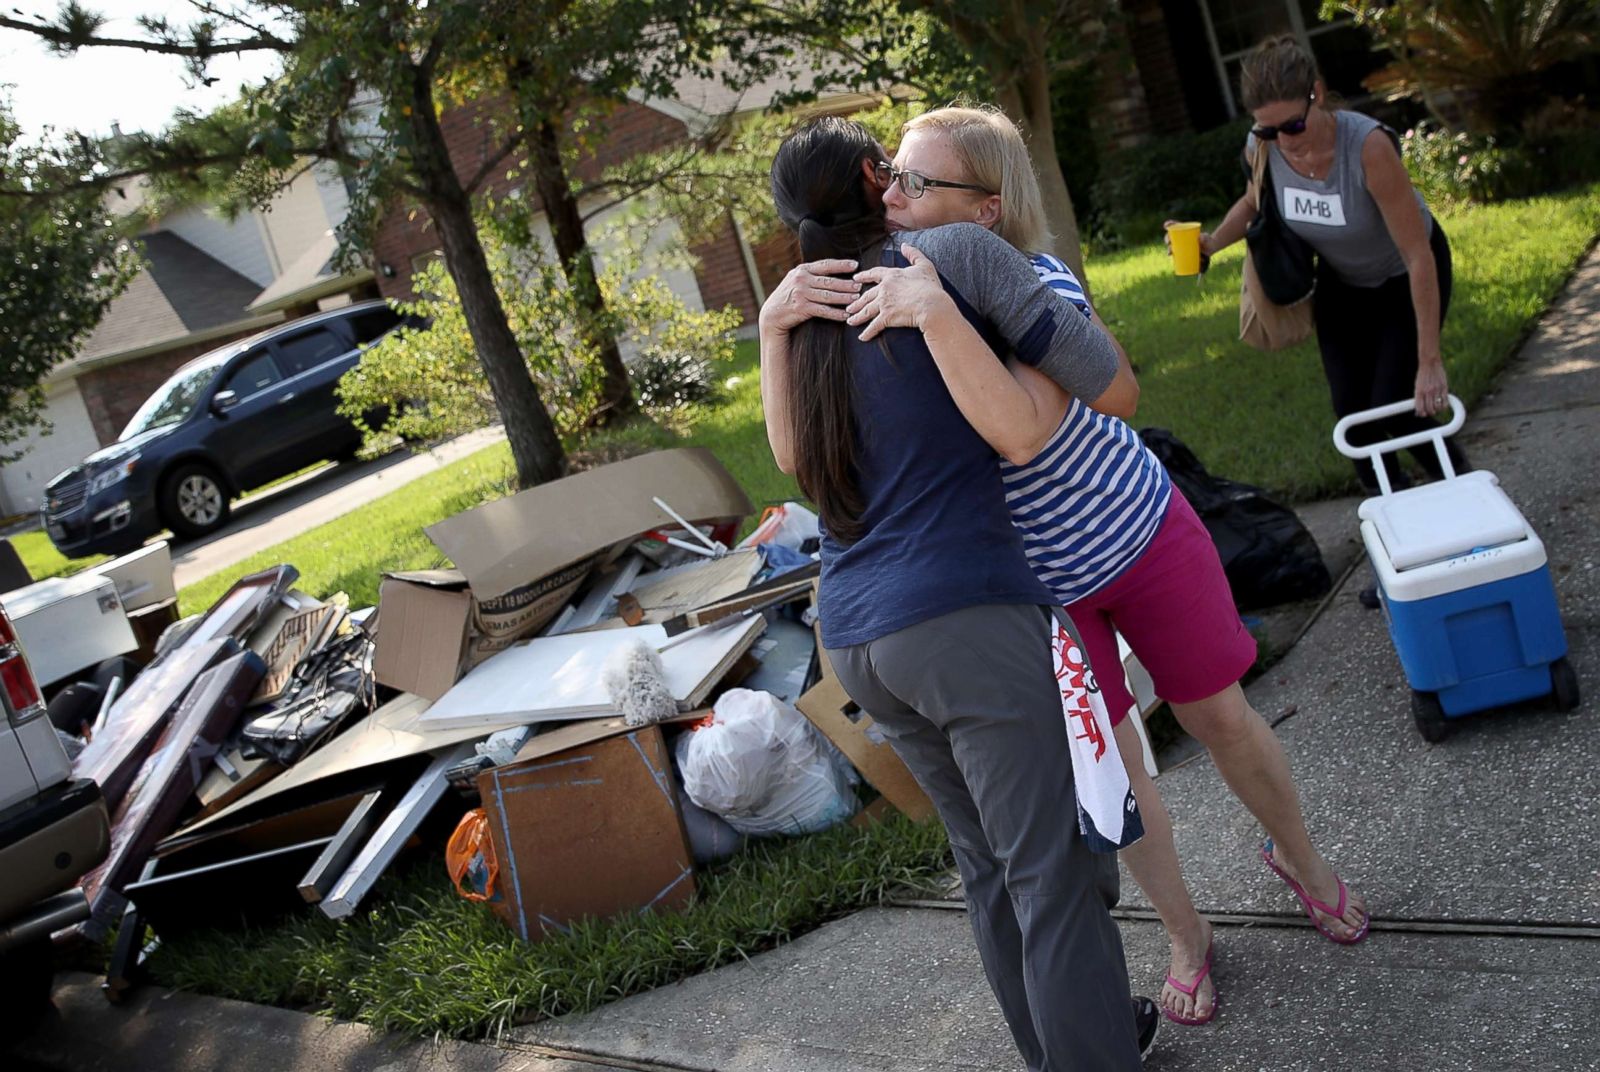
x=1431 y=721
x=1564 y=684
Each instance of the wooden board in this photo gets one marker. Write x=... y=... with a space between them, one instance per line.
x=217 y=790
x=559 y=678
x=167 y=779
x=769 y=593
x=670 y=592
x=137 y=716
x=394 y=731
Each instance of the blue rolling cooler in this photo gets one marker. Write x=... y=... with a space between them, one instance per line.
x=1465 y=585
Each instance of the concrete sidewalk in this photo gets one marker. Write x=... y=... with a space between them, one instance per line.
x=1476 y=855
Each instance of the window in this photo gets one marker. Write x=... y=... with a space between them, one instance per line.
x=298 y=353
x=1233 y=27
x=174 y=400
x=372 y=323
x=254 y=376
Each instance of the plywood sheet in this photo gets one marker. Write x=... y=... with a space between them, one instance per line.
x=394 y=731
x=669 y=592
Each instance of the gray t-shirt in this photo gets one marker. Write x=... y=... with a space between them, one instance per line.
x=991 y=278
x=1336 y=214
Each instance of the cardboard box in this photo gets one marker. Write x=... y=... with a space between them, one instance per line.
x=853 y=732
x=586 y=823
x=432 y=627
x=520 y=560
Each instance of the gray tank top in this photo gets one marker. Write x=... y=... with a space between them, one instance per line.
x=1336 y=214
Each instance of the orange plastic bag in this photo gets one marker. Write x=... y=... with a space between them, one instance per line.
x=470 y=858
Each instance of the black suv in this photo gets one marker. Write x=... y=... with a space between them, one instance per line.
x=228 y=421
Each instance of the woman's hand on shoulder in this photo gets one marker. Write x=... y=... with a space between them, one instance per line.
x=899 y=297
x=810 y=290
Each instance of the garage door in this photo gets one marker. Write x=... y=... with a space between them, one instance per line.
x=22 y=482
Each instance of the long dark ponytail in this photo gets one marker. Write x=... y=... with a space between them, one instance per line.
x=821 y=195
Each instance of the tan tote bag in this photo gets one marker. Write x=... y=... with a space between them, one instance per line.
x=1262 y=324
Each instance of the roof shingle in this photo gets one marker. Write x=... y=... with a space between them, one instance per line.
x=180 y=291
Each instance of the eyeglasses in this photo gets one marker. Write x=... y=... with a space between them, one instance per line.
x=914 y=183
x=1292 y=127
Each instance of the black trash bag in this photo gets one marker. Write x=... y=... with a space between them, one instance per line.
x=1267 y=553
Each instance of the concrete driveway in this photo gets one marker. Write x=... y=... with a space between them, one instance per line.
x=270 y=517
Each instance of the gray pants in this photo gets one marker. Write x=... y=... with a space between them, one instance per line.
x=970 y=703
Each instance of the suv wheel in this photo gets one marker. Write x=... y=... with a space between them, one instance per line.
x=193 y=501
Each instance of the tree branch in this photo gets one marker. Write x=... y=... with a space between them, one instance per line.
x=157 y=167
x=492 y=162
x=71 y=42
x=261 y=32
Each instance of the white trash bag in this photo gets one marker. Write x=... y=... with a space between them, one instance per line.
x=763 y=767
x=789 y=525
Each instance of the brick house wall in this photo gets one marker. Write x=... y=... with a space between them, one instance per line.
x=1166 y=104
x=774 y=256
x=114 y=393
x=406 y=238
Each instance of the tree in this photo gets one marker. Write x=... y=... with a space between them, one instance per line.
x=438 y=364
x=1023 y=46
x=364 y=84
x=1011 y=53
x=62 y=261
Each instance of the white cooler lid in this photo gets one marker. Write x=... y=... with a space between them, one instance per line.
x=1444 y=519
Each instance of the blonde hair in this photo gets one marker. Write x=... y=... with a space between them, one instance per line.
x=1278 y=69
x=994 y=156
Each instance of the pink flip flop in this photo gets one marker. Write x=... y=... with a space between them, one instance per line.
x=1200 y=977
x=1313 y=906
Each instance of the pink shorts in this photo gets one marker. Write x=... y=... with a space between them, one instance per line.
x=1174 y=608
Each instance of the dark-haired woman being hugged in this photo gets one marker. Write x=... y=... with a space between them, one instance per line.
x=1383 y=271
x=930 y=614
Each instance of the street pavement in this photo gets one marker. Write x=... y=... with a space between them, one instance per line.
x=1476 y=855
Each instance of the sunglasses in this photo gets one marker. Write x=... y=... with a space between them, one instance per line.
x=1292 y=127
x=914 y=184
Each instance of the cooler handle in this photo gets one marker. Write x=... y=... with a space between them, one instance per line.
x=1341 y=436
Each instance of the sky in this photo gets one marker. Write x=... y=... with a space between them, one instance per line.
x=99 y=86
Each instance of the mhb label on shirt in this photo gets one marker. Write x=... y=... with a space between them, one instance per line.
x=1308 y=206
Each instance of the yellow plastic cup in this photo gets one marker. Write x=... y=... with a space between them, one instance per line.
x=1185 y=238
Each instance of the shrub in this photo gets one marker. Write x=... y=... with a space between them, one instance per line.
x=424 y=384
x=669 y=380
x=1481 y=65
x=1177 y=176
x=1559 y=147
x=1452 y=168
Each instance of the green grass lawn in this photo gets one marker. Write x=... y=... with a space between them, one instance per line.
x=1265 y=418
x=420 y=960
x=42 y=558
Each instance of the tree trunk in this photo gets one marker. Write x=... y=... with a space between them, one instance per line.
x=1026 y=99
x=535 y=446
x=577 y=261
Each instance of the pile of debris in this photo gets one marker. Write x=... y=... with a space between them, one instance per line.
x=602 y=695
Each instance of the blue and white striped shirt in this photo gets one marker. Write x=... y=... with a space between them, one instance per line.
x=1091 y=502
